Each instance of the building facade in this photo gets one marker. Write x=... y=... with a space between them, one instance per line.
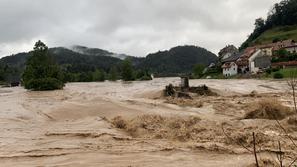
x=259 y=61
x=230 y=69
x=291 y=49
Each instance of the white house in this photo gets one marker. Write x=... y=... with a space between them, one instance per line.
x=230 y=69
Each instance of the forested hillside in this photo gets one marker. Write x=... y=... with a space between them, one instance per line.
x=81 y=64
x=177 y=60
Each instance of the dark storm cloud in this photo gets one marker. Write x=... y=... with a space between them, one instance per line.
x=135 y=27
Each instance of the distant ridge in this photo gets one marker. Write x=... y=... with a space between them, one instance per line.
x=180 y=59
x=80 y=59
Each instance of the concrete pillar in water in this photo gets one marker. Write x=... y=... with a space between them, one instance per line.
x=185 y=83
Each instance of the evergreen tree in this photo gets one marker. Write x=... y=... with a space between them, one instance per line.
x=127 y=70
x=99 y=75
x=113 y=74
x=41 y=72
x=198 y=70
x=2 y=74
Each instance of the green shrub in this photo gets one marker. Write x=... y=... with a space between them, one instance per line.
x=268 y=71
x=145 y=78
x=44 y=84
x=127 y=70
x=275 y=69
x=278 y=75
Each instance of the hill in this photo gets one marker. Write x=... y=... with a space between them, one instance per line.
x=11 y=67
x=82 y=60
x=77 y=62
x=280 y=24
x=276 y=34
x=74 y=61
x=177 y=60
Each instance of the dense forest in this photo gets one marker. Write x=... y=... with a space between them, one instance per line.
x=178 y=60
x=282 y=14
x=84 y=65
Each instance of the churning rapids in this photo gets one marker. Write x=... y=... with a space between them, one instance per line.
x=73 y=127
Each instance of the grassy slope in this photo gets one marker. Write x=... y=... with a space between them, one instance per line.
x=287 y=72
x=282 y=33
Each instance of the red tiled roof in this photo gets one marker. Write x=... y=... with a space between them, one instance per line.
x=292 y=46
x=288 y=63
x=228 y=65
x=242 y=62
x=277 y=45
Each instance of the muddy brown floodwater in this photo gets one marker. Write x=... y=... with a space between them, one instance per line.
x=72 y=127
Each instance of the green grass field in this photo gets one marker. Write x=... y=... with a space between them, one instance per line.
x=281 y=33
x=287 y=73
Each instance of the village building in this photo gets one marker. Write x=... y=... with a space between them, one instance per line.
x=259 y=61
x=227 y=52
x=269 y=49
x=253 y=59
x=291 y=49
x=230 y=69
x=243 y=61
x=243 y=65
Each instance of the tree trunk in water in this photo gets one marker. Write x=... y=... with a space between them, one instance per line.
x=255 y=151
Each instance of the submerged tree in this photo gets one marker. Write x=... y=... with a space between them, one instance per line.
x=198 y=70
x=127 y=70
x=113 y=74
x=41 y=72
x=99 y=75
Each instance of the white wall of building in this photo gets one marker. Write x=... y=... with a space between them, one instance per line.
x=254 y=69
x=227 y=72
x=267 y=51
x=292 y=49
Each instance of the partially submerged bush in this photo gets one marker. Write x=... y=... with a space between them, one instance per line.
x=278 y=75
x=268 y=109
x=202 y=90
x=119 y=122
x=44 y=84
x=275 y=69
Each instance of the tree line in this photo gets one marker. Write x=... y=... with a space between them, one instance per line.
x=43 y=73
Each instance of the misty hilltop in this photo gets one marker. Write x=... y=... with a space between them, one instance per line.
x=96 y=52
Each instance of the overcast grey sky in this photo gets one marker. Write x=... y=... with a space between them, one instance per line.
x=135 y=27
